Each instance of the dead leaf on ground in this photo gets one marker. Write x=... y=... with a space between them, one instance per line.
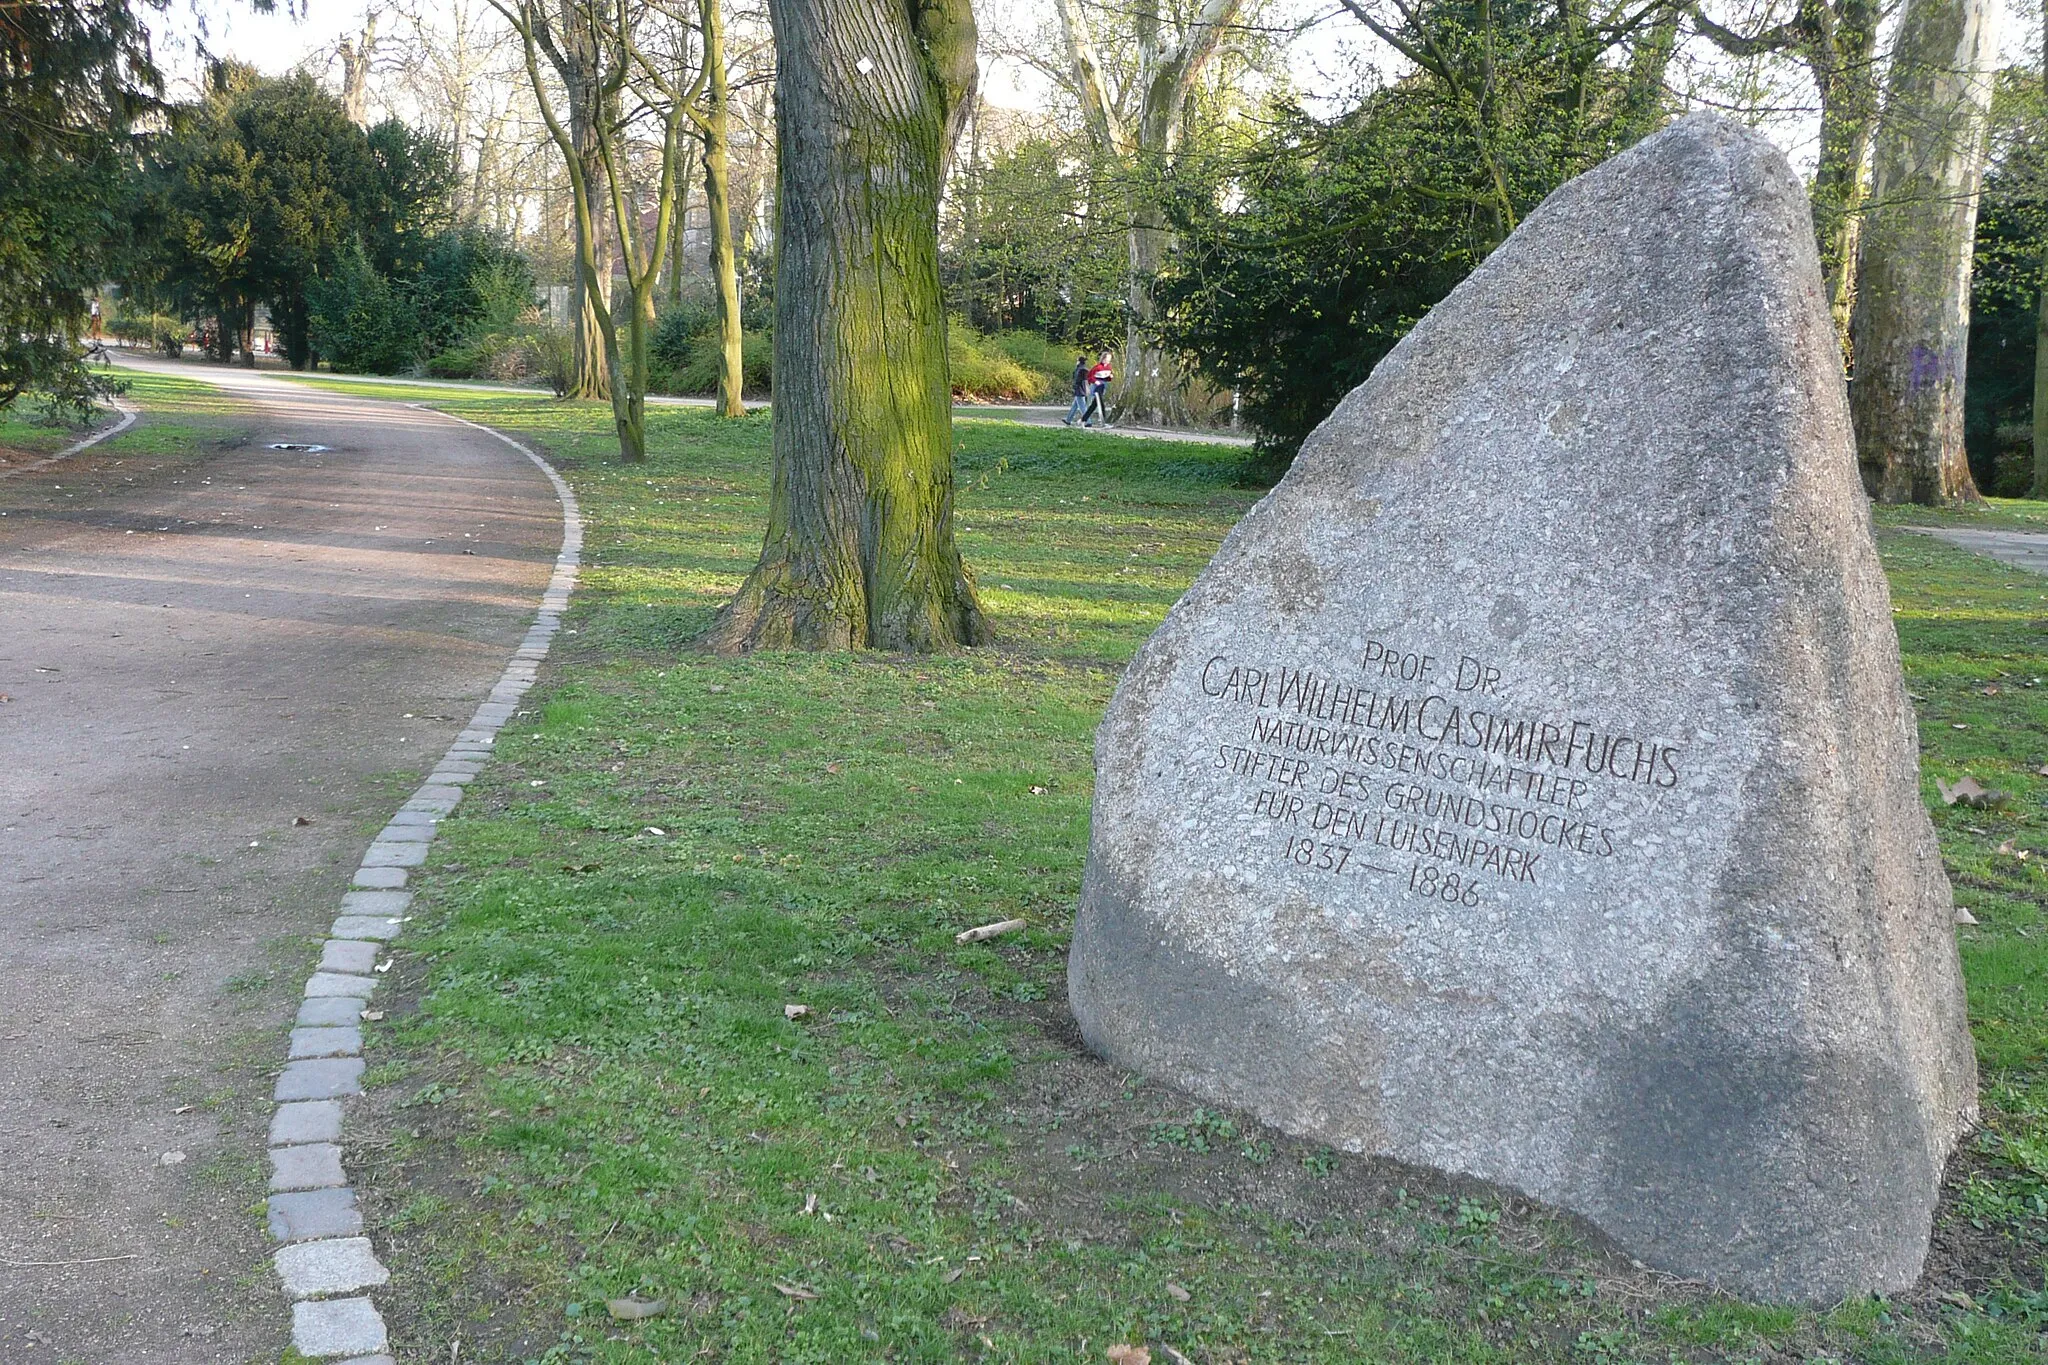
x=632 y=1310
x=801 y=1292
x=302 y=819
x=1968 y=791
x=795 y=1011
x=1038 y=791
x=1177 y=1292
x=2009 y=851
x=950 y=1275
x=834 y=767
x=372 y=1015
x=959 y=1319
x=1964 y=916
x=1129 y=1355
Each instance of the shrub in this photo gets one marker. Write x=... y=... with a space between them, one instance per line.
x=361 y=322
x=982 y=372
x=677 y=327
x=1037 y=352
x=513 y=355
x=158 y=331
x=698 y=372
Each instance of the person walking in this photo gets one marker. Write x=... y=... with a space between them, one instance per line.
x=1082 y=394
x=1098 y=384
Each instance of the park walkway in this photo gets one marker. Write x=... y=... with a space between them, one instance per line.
x=199 y=653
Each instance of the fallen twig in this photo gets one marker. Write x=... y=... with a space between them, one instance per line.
x=1004 y=926
x=84 y=1260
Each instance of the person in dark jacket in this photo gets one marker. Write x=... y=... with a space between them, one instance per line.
x=1081 y=395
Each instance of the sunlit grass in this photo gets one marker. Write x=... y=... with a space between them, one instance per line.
x=607 y=959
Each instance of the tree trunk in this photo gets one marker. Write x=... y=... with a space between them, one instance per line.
x=1151 y=390
x=859 y=550
x=246 y=335
x=629 y=381
x=1912 y=314
x=732 y=375
x=1847 y=82
x=1648 y=98
x=2040 y=488
x=355 y=73
x=590 y=373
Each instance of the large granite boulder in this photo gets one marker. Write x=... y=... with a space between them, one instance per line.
x=1528 y=789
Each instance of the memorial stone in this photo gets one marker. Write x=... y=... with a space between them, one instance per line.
x=1528 y=789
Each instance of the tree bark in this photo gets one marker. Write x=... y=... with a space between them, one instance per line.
x=2040 y=487
x=860 y=550
x=1846 y=76
x=1143 y=146
x=1911 y=321
x=355 y=72
x=716 y=128
x=583 y=77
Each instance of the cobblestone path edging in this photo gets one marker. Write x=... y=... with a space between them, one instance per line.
x=128 y=416
x=326 y=1263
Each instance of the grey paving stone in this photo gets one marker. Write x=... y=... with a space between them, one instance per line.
x=344 y=1265
x=395 y=855
x=337 y=1327
x=314 y=1213
x=370 y=1360
x=380 y=878
x=324 y=1079
x=348 y=955
x=435 y=794
x=329 y=1011
x=477 y=734
x=376 y=902
x=312 y=1166
x=306 y=1121
x=414 y=817
x=408 y=834
x=335 y=983
x=452 y=779
x=326 y=1042
x=366 y=926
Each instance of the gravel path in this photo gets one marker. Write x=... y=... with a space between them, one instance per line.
x=194 y=659
x=2021 y=549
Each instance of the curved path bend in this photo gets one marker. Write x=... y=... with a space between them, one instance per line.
x=193 y=660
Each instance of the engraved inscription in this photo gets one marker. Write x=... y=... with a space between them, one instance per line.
x=1419 y=770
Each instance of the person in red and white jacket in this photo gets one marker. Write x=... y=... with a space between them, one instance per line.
x=1098 y=384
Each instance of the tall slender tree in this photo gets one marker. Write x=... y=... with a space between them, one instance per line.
x=655 y=74
x=1911 y=325
x=2040 y=485
x=859 y=550
x=1138 y=124
x=714 y=126
x=1836 y=40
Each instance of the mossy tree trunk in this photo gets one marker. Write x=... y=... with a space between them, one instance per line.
x=592 y=108
x=2040 y=487
x=859 y=550
x=715 y=125
x=655 y=82
x=1138 y=128
x=1911 y=324
x=1836 y=40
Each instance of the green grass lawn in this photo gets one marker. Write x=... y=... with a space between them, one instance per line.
x=681 y=1015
